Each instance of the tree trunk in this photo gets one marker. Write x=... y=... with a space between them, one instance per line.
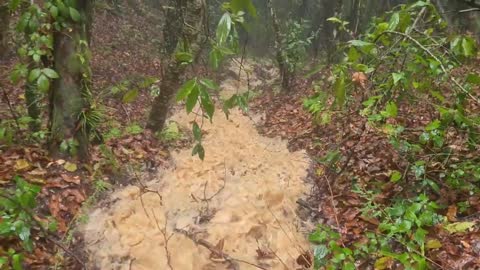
x=4 y=26
x=280 y=57
x=31 y=100
x=68 y=100
x=184 y=19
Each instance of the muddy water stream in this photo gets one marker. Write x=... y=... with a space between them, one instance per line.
x=252 y=183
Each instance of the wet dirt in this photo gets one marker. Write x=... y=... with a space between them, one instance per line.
x=242 y=195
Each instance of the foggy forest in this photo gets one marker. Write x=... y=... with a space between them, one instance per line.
x=239 y=134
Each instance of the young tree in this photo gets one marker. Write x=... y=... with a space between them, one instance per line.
x=70 y=114
x=183 y=40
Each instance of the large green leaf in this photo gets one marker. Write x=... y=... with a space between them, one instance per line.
x=224 y=28
x=209 y=84
x=130 y=96
x=394 y=21
x=197 y=132
x=192 y=99
x=207 y=103
x=52 y=74
x=199 y=150
x=186 y=89
x=74 y=14
x=34 y=74
x=43 y=83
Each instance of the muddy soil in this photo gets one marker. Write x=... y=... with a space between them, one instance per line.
x=242 y=195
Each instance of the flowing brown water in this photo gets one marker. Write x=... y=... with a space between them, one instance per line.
x=253 y=213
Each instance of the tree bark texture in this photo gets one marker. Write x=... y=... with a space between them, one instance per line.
x=4 y=26
x=69 y=93
x=281 y=61
x=184 y=24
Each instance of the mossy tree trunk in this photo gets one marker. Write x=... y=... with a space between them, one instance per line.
x=4 y=26
x=279 y=55
x=184 y=24
x=69 y=100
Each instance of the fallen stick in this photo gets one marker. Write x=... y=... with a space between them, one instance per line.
x=216 y=252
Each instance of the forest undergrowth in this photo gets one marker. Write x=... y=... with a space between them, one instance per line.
x=396 y=149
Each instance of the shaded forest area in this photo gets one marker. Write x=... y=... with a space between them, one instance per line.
x=382 y=96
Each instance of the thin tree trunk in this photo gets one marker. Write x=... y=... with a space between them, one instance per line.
x=68 y=99
x=185 y=18
x=282 y=63
x=4 y=26
x=31 y=100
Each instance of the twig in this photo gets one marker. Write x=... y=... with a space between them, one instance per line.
x=216 y=252
x=205 y=199
x=10 y=107
x=298 y=246
x=165 y=237
x=335 y=211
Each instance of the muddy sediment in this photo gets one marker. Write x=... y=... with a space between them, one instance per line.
x=242 y=195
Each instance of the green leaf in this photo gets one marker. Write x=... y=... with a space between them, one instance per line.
x=186 y=89
x=74 y=14
x=34 y=74
x=419 y=236
x=395 y=176
x=318 y=237
x=43 y=83
x=433 y=125
x=433 y=244
x=130 y=96
x=36 y=57
x=459 y=227
x=209 y=84
x=394 y=20
x=391 y=110
x=468 y=46
x=383 y=263
x=52 y=74
x=192 y=99
x=199 y=150
x=353 y=55
x=320 y=254
x=54 y=11
x=224 y=27
x=207 y=103
x=184 y=57
x=197 y=132
x=397 y=77
x=215 y=57
x=17 y=262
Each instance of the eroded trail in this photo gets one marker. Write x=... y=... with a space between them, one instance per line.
x=253 y=183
